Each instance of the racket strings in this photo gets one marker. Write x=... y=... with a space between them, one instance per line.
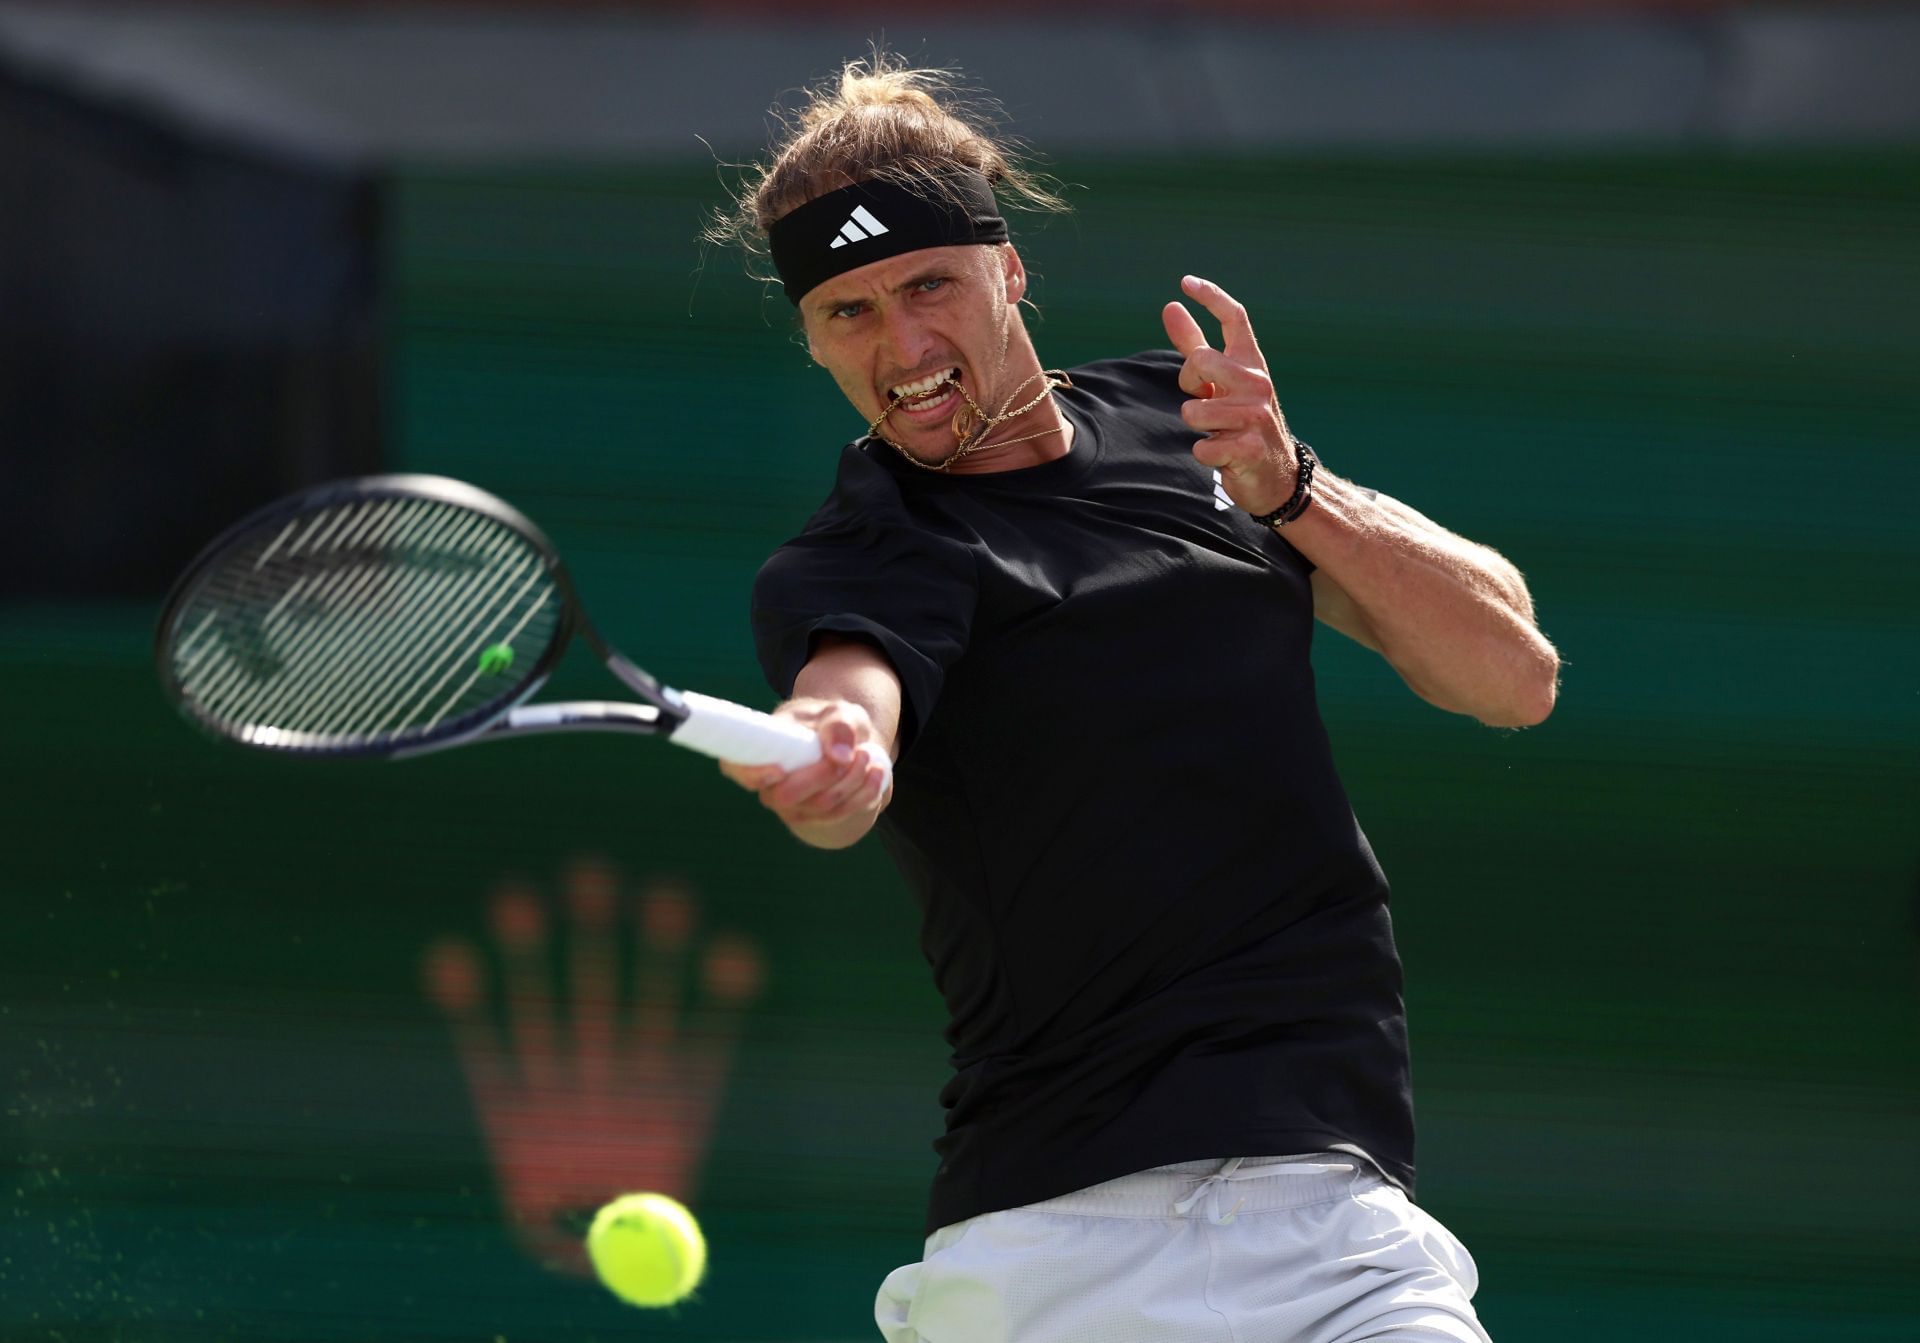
x=234 y=594
x=359 y=673
x=432 y=662
x=239 y=592
x=254 y=601
x=387 y=637
x=379 y=618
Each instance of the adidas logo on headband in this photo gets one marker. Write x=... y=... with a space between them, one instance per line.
x=852 y=231
x=809 y=243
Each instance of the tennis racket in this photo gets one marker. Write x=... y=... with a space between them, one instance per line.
x=397 y=615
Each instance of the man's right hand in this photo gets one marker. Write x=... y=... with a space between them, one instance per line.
x=834 y=801
x=849 y=694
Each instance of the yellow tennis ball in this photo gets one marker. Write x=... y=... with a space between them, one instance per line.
x=647 y=1249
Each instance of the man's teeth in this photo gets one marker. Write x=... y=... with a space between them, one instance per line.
x=925 y=385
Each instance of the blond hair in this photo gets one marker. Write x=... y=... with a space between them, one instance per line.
x=878 y=118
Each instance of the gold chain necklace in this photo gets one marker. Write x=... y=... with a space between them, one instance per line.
x=971 y=424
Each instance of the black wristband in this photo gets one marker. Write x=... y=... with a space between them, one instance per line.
x=1303 y=463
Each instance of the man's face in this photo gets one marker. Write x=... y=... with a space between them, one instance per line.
x=913 y=323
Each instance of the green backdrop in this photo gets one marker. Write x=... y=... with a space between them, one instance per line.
x=1661 y=950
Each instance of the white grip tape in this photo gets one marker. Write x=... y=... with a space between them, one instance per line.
x=729 y=731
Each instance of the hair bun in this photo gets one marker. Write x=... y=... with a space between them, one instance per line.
x=878 y=118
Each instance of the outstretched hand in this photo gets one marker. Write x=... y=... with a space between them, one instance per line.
x=1233 y=400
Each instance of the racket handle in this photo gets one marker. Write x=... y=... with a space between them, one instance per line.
x=729 y=731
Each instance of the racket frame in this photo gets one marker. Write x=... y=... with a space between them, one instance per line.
x=660 y=714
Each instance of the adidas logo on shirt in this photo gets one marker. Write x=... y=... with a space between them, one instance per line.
x=861 y=226
x=1220 y=500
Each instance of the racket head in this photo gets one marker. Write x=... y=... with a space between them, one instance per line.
x=372 y=616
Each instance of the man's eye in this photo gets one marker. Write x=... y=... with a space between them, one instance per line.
x=849 y=310
x=928 y=286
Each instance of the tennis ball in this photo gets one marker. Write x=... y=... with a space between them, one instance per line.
x=495 y=659
x=647 y=1249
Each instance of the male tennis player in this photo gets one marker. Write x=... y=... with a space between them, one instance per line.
x=1180 y=1105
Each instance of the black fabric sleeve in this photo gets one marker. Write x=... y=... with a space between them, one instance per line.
x=900 y=588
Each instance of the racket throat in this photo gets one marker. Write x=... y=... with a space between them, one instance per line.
x=587 y=716
x=669 y=708
x=564 y=716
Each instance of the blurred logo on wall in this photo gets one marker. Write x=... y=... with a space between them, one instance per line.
x=596 y=1028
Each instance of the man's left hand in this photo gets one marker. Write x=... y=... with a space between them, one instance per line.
x=1234 y=403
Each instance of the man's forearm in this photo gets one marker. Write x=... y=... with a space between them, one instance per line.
x=846 y=668
x=1453 y=617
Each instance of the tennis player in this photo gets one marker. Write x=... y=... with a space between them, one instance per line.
x=1052 y=629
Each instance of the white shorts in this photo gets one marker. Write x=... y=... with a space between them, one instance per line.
x=1300 y=1249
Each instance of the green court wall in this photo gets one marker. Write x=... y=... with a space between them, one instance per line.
x=1661 y=950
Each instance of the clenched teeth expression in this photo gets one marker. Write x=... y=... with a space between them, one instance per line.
x=922 y=387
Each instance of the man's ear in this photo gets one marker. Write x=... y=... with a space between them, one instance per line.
x=1015 y=272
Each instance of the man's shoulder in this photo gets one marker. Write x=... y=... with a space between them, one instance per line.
x=867 y=508
x=863 y=490
x=867 y=525
x=1151 y=375
x=1146 y=363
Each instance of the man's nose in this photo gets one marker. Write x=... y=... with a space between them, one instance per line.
x=908 y=340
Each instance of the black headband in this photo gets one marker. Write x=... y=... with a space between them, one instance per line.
x=876 y=219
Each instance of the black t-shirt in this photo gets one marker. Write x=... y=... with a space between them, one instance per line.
x=1159 y=931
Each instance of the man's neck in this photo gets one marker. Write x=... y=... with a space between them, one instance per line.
x=1042 y=434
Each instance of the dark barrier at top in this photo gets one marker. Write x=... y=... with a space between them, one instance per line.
x=785 y=9
x=187 y=329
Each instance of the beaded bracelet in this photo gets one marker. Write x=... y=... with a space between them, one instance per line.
x=1304 y=462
